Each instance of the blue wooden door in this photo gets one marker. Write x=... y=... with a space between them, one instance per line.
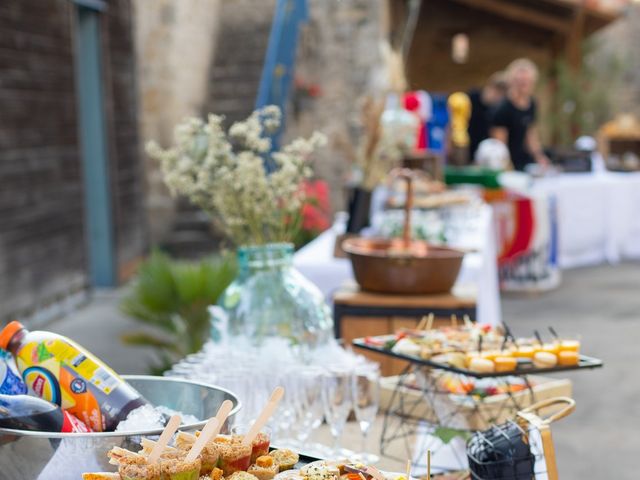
x=95 y=166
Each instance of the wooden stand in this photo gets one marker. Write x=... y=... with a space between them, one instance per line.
x=359 y=314
x=426 y=161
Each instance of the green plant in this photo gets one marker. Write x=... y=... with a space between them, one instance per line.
x=583 y=97
x=236 y=177
x=172 y=297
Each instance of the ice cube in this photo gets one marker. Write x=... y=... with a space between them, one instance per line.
x=149 y=417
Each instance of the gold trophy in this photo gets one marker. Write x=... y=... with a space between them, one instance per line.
x=459 y=107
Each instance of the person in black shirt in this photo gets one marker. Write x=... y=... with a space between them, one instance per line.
x=514 y=119
x=483 y=103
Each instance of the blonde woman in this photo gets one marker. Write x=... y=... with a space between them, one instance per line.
x=514 y=121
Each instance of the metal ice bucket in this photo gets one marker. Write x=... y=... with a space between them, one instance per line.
x=28 y=455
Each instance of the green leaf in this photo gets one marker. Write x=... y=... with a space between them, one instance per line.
x=218 y=274
x=189 y=281
x=448 y=434
x=155 y=287
x=174 y=296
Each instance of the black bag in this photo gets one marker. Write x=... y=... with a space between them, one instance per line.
x=500 y=453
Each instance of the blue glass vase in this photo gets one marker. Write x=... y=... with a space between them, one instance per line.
x=270 y=298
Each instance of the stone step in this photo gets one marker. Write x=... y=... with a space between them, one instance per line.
x=191 y=244
x=239 y=57
x=195 y=220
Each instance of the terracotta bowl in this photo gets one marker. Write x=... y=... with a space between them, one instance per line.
x=384 y=266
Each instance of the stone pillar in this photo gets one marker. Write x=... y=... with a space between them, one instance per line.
x=175 y=42
x=337 y=62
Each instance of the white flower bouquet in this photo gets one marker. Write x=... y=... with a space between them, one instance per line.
x=225 y=174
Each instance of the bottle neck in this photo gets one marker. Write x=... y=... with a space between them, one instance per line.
x=16 y=341
x=265 y=257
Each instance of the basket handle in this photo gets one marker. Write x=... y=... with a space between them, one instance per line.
x=570 y=405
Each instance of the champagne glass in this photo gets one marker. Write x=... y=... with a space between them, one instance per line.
x=337 y=401
x=366 y=399
x=289 y=411
x=312 y=407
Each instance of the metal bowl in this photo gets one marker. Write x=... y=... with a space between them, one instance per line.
x=61 y=456
x=384 y=266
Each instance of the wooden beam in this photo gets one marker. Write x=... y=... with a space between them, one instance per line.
x=519 y=13
x=576 y=36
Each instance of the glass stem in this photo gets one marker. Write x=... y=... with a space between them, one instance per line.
x=336 y=442
x=364 y=440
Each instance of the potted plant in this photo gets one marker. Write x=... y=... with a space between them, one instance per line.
x=257 y=196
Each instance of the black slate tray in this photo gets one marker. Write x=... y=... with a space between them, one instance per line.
x=584 y=363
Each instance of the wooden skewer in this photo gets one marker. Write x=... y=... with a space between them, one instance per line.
x=210 y=430
x=223 y=413
x=264 y=417
x=467 y=321
x=362 y=477
x=374 y=472
x=428 y=464
x=454 y=321
x=408 y=469
x=422 y=323
x=172 y=425
x=430 y=321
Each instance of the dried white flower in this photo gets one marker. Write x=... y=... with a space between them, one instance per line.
x=254 y=206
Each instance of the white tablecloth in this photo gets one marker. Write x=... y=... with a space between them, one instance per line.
x=478 y=273
x=598 y=216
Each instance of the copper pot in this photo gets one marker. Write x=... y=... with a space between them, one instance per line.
x=390 y=266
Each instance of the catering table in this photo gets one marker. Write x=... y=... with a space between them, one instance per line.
x=478 y=273
x=598 y=216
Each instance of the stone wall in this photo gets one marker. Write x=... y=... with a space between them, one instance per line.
x=126 y=168
x=339 y=54
x=43 y=254
x=225 y=43
x=239 y=57
x=175 y=44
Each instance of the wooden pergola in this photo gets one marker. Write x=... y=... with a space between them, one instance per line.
x=498 y=31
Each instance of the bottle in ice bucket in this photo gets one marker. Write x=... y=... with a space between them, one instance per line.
x=60 y=371
x=10 y=381
x=22 y=412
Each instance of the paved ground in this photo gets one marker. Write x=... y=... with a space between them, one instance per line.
x=599 y=441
